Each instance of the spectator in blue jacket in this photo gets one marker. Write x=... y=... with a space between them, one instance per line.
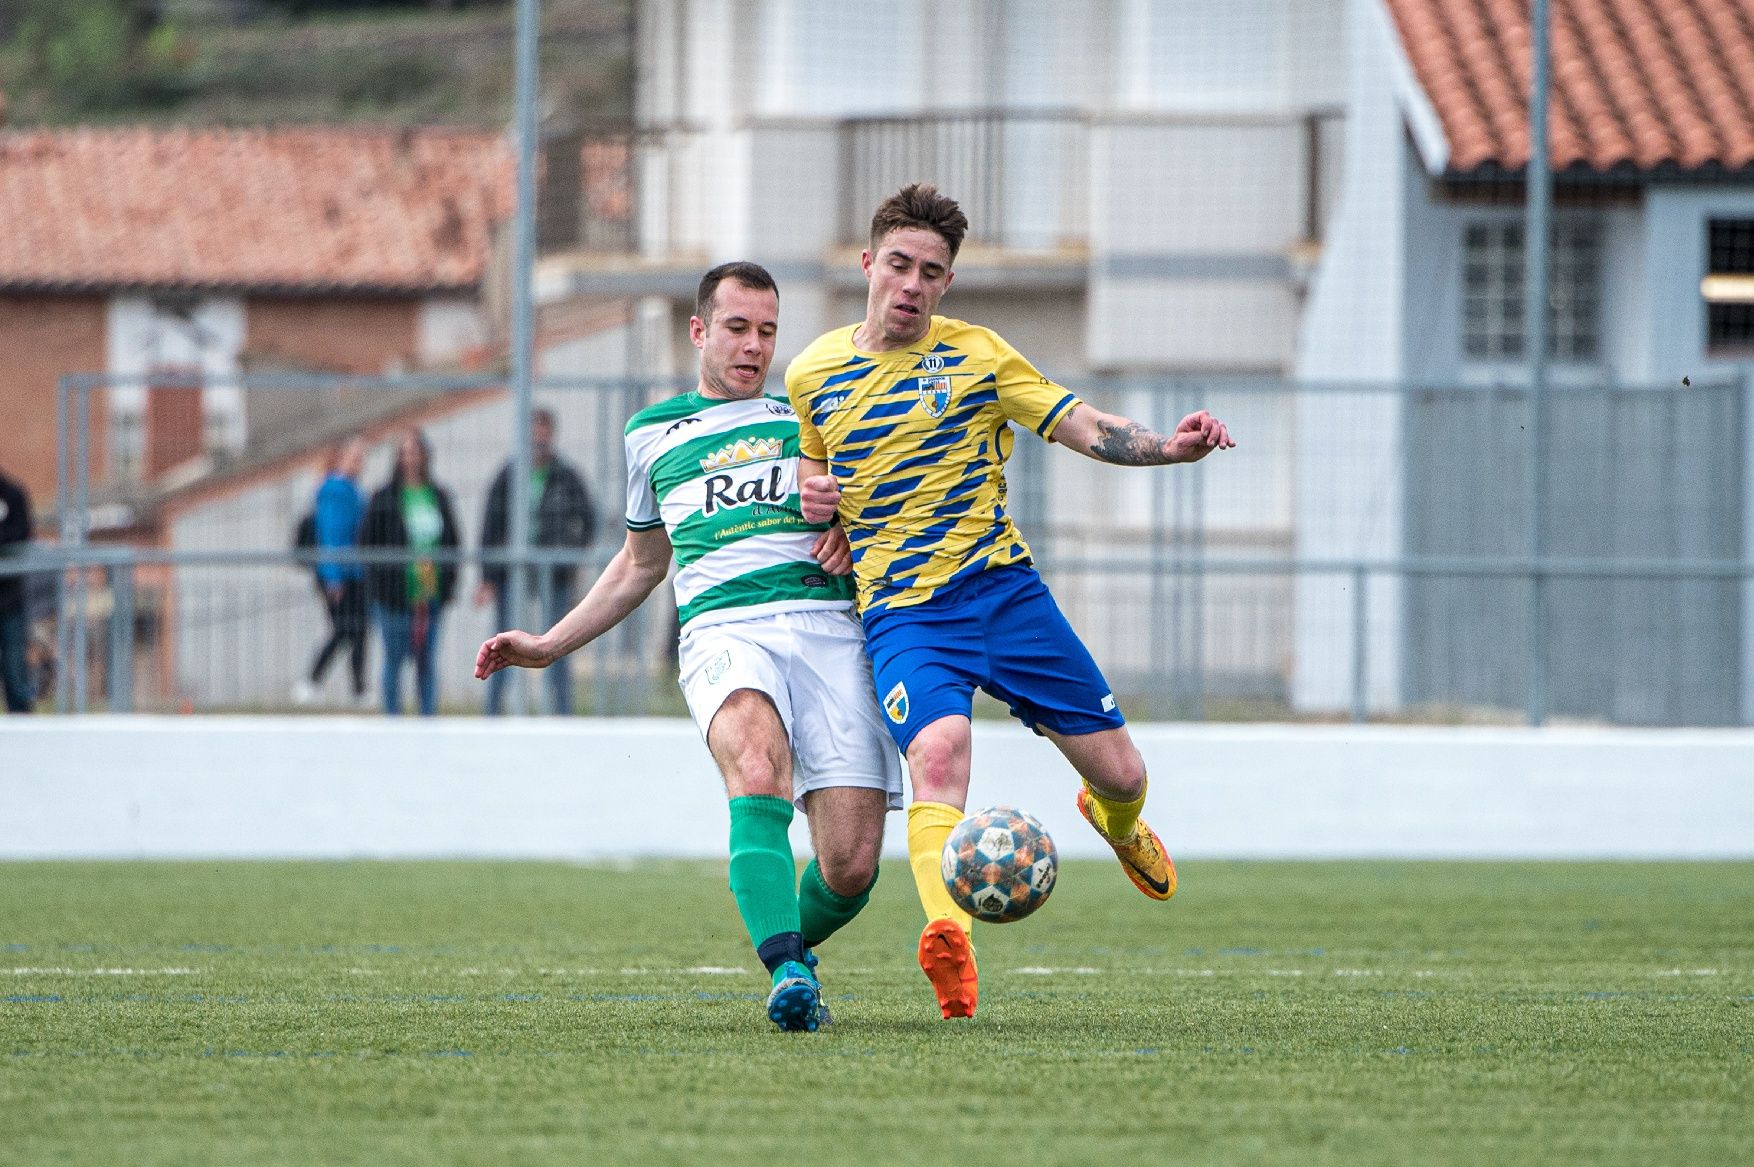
x=340 y=508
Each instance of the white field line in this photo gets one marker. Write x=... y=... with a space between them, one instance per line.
x=711 y=970
x=101 y=972
x=729 y=971
x=1038 y=971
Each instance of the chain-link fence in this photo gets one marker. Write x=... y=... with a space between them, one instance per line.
x=1360 y=554
x=1493 y=461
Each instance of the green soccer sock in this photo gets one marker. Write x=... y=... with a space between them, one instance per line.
x=822 y=911
x=762 y=867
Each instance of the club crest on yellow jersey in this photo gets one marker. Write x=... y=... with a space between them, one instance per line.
x=935 y=394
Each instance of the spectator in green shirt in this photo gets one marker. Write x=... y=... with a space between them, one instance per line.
x=413 y=514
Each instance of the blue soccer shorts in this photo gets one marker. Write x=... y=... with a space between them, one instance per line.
x=998 y=630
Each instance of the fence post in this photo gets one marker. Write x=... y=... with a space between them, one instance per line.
x=518 y=537
x=1539 y=198
x=121 y=671
x=81 y=523
x=64 y=514
x=1360 y=652
x=1745 y=473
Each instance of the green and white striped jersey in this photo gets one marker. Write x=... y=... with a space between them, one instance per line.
x=722 y=478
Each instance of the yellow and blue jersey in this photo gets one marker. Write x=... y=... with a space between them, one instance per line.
x=917 y=439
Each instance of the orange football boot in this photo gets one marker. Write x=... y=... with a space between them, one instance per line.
x=947 y=959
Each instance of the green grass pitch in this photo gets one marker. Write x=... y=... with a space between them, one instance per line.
x=1303 y=1013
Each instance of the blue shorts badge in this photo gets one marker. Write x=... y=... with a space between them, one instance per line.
x=895 y=704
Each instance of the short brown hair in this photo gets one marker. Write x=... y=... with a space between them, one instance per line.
x=919 y=205
x=751 y=275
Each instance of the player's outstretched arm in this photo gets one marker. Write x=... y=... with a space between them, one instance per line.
x=1108 y=437
x=638 y=568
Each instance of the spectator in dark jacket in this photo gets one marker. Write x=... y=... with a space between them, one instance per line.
x=561 y=516
x=338 y=512
x=413 y=514
x=14 y=625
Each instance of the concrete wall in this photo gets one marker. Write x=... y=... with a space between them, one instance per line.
x=333 y=787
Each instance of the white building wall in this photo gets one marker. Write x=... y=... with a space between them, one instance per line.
x=1675 y=258
x=1054 y=55
x=1229 y=55
x=447 y=328
x=142 y=336
x=1626 y=296
x=1349 y=502
x=1433 y=321
x=836 y=58
x=1675 y=261
x=1185 y=274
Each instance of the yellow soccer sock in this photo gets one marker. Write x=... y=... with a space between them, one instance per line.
x=1114 y=820
x=928 y=826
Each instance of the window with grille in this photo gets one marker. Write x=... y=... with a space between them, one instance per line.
x=1728 y=287
x=1492 y=290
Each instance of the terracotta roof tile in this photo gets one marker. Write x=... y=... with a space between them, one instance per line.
x=287 y=208
x=1636 y=83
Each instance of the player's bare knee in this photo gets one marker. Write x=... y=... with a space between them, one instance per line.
x=938 y=760
x=749 y=743
x=848 y=869
x=1124 y=775
x=755 y=767
x=1122 y=772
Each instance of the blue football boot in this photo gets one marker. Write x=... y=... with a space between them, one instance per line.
x=795 y=1004
x=823 y=1016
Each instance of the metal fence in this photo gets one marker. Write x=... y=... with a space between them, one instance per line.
x=1359 y=555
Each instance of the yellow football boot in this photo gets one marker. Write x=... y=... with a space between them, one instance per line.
x=1142 y=856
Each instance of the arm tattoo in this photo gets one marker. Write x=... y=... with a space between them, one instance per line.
x=1129 y=444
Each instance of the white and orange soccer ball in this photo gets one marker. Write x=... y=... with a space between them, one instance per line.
x=999 y=865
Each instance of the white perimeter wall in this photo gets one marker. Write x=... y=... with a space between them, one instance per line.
x=122 y=787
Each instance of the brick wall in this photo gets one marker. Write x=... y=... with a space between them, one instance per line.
x=45 y=336
x=42 y=337
x=350 y=335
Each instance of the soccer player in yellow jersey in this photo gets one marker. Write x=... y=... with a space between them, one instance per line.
x=905 y=423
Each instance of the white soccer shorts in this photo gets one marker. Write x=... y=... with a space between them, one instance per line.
x=812 y=665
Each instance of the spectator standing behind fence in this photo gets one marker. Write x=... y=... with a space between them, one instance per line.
x=14 y=623
x=410 y=513
x=340 y=583
x=561 y=516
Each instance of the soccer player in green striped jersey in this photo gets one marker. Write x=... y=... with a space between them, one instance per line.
x=772 y=658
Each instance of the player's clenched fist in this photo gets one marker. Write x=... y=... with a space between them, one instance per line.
x=821 y=495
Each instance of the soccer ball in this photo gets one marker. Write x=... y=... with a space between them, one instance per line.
x=999 y=865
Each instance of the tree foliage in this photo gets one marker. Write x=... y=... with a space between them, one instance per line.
x=99 y=56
